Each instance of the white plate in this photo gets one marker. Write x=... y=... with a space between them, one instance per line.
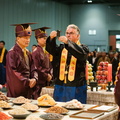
x=73 y=108
x=51 y=116
x=5 y=108
x=22 y=116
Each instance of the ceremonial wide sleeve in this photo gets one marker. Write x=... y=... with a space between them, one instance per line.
x=38 y=61
x=15 y=69
x=33 y=69
x=78 y=51
x=52 y=47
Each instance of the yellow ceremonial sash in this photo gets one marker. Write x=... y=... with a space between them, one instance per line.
x=72 y=69
x=72 y=66
x=50 y=56
x=63 y=64
x=2 y=55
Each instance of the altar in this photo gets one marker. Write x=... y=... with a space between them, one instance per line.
x=110 y=115
x=100 y=97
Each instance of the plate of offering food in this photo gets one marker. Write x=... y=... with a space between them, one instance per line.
x=51 y=116
x=19 y=113
x=73 y=105
x=4 y=116
x=3 y=97
x=45 y=105
x=5 y=105
x=30 y=107
x=57 y=109
x=21 y=100
x=46 y=101
x=33 y=117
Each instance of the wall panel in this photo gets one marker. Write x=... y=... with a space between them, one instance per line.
x=44 y=12
x=99 y=17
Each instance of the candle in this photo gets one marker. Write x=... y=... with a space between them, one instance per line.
x=86 y=71
x=109 y=77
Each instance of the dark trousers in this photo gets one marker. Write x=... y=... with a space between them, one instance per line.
x=2 y=74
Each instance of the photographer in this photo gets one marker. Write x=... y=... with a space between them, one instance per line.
x=69 y=62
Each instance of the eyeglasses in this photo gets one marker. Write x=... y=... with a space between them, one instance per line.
x=71 y=33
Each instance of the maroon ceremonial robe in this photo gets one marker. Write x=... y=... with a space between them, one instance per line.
x=18 y=73
x=117 y=89
x=42 y=64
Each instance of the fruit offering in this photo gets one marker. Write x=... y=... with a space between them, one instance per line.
x=89 y=72
x=102 y=73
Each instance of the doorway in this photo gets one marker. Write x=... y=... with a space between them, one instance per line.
x=114 y=40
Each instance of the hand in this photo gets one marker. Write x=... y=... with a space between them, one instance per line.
x=32 y=83
x=53 y=34
x=63 y=39
x=49 y=78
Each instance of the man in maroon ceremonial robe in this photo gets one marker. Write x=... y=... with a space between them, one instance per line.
x=117 y=90
x=41 y=60
x=21 y=73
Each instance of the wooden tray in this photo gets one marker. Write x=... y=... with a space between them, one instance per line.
x=90 y=114
x=103 y=108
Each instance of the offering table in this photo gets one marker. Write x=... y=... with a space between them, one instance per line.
x=100 y=97
x=112 y=115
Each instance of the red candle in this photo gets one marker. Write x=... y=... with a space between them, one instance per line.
x=86 y=71
x=109 y=77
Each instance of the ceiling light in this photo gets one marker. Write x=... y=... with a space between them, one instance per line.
x=89 y=1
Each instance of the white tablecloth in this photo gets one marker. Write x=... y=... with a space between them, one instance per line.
x=100 y=97
x=107 y=115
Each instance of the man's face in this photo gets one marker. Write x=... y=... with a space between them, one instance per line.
x=42 y=41
x=23 y=41
x=72 y=34
x=1 y=45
